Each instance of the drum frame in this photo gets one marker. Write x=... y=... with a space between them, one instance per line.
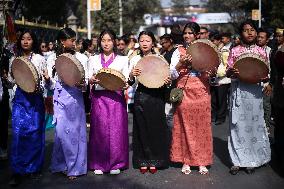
x=32 y=69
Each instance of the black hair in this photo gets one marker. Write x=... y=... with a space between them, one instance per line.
x=247 y=22
x=193 y=26
x=216 y=37
x=112 y=36
x=176 y=34
x=227 y=34
x=85 y=45
x=151 y=35
x=64 y=34
x=204 y=28
x=35 y=45
x=263 y=31
x=167 y=37
x=124 y=38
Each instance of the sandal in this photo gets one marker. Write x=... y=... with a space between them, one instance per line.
x=72 y=177
x=234 y=170
x=153 y=170
x=203 y=170
x=98 y=172
x=250 y=170
x=185 y=169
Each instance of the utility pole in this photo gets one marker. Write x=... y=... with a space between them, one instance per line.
x=120 y=19
x=259 y=9
x=89 y=19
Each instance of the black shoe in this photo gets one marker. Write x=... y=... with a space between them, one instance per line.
x=234 y=170
x=35 y=176
x=250 y=170
x=220 y=122
x=15 y=180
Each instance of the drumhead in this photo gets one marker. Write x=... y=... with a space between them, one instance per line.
x=25 y=74
x=69 y=69
x=252 y=68
x=154 y=69
x=111 y=79
x=205 y=55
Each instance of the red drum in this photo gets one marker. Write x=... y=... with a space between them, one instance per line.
x=111 y=79
x=205 y=55
x=252 y=68
x=154 y=70
x=25 y=74
x=69 y=69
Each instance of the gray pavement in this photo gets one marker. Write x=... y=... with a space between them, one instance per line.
x=267 y=177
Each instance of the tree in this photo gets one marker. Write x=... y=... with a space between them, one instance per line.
x=132 y=14
x=134 y=10
x=240 y=10
x=54 y=11
x=179 y=6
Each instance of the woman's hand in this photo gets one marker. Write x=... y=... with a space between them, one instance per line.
x=94 y=80
x=168 y=80
x=125 y=86
x=211 y=73
x=232 y=73
x=267 y=90
x=45 y=75
x=185 y=60
x=135 y=72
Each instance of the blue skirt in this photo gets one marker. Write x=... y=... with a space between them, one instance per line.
x=28 y=132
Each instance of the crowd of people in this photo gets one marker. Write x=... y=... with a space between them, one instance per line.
x=163 y=131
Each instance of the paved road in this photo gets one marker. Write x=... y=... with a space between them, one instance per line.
x=267 y=177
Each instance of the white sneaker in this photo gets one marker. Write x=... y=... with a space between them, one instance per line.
x=114 y=172
x=98 y=172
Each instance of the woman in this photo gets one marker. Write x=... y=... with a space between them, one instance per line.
x=150 y=133
x=108 y=143
x=70 y=144
x=248 y=141
x=28 y=131
x=191 y=135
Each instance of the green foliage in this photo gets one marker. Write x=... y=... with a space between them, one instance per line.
x=54 y=11
x=272 y=10
x=134 y=10
x=179 y=6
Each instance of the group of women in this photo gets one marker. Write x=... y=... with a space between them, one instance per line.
x=108 y=148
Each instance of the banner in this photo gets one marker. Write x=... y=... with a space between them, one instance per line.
x=95 y=5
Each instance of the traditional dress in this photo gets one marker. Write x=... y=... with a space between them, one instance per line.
x=70 y=143
x=108 y=141
x=248 y=141
x=191 y=134
x=28 y=131
x=150 y=132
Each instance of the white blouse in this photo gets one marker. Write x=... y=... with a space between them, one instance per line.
x=174 y=61
x=120 y=63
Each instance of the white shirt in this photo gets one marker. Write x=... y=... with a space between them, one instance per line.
x=84 y=61
x=174 y=61
x=120 y=63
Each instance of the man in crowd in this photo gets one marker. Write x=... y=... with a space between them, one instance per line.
x=262 y=41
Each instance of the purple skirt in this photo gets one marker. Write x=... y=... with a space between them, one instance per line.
x=108 y=141
x=70 y=142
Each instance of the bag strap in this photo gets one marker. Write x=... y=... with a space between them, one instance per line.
x=185 y=81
